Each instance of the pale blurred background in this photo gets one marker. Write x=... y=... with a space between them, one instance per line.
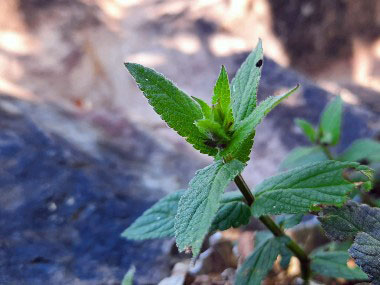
x=82 y=154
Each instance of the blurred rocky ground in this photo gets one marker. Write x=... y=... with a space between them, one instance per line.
x=82 y=154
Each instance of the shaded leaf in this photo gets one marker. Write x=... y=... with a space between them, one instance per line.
x=362 y=223
x=258 y=264
x=173 y=105
x=301 y=156
x=245 y=84
x=289 y=221
x=231 y=215
x=362 y=149
x=330 y=122
x=198 y=206
x=334 y=264
x=128 y=277
x=301 y=189
x=307 y=129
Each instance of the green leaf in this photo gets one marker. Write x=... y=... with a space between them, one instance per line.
x=330 y=122
x=212 y=130
x=206 y=109
x=362 y=223
x=307 y=129
x=222 y=94
x=334 y=264
x=258 y=264
x=198 y=206
x=173 y=105
x=128 y=277
x=303 y=155
x=244 y=131
x=232 y=214
x=289 y=221
x=156 y=222
x=362 y=149
x=301 y=189
x=245 y=84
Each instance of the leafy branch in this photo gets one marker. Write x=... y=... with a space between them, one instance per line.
x=225 y=130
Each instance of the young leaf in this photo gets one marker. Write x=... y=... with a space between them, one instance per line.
x=363 y=223
x=302 y=155
x=212 y=129
x=198 y=206
x=244 y=130
x=362 y=149
x=128 y=277
x=301 y=189
x=334 y=264
x=258 y=264
x=206 y=109
x=222 y=92
x=174 y=106
x=245 y=84
x=307 y=129
x=233 y=214
x=156 y=222
x=330 y=122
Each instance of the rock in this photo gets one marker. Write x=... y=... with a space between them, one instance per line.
x=62 y=210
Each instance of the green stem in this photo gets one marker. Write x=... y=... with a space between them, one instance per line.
x=327 y=151
x=277 y=231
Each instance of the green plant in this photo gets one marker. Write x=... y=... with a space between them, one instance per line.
x=226 y=132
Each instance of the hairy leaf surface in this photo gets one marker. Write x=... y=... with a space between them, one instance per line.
x=198 y=206
x=334 y=264
x=298 y=190
x=363 y=223
x=245 y=84
x=157 y=221
x=245 y=129
x=330 y=122
x=177 y=109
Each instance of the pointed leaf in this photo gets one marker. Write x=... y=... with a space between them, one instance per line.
x=334 y=264
x=245 y=84
x=222 y=91
x=173 y=105
x=258 y=264
x=212 y=129
x=156 y=222
x=301 y=156
x=363 y=223
x=362 y=149
x=301 y=189
x=198 y=206
x=245 y=129
x=330 y=122
x=128 y=277
x=206 y=109
x=307 y=129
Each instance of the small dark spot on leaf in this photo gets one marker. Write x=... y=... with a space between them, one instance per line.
x=259 y=63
